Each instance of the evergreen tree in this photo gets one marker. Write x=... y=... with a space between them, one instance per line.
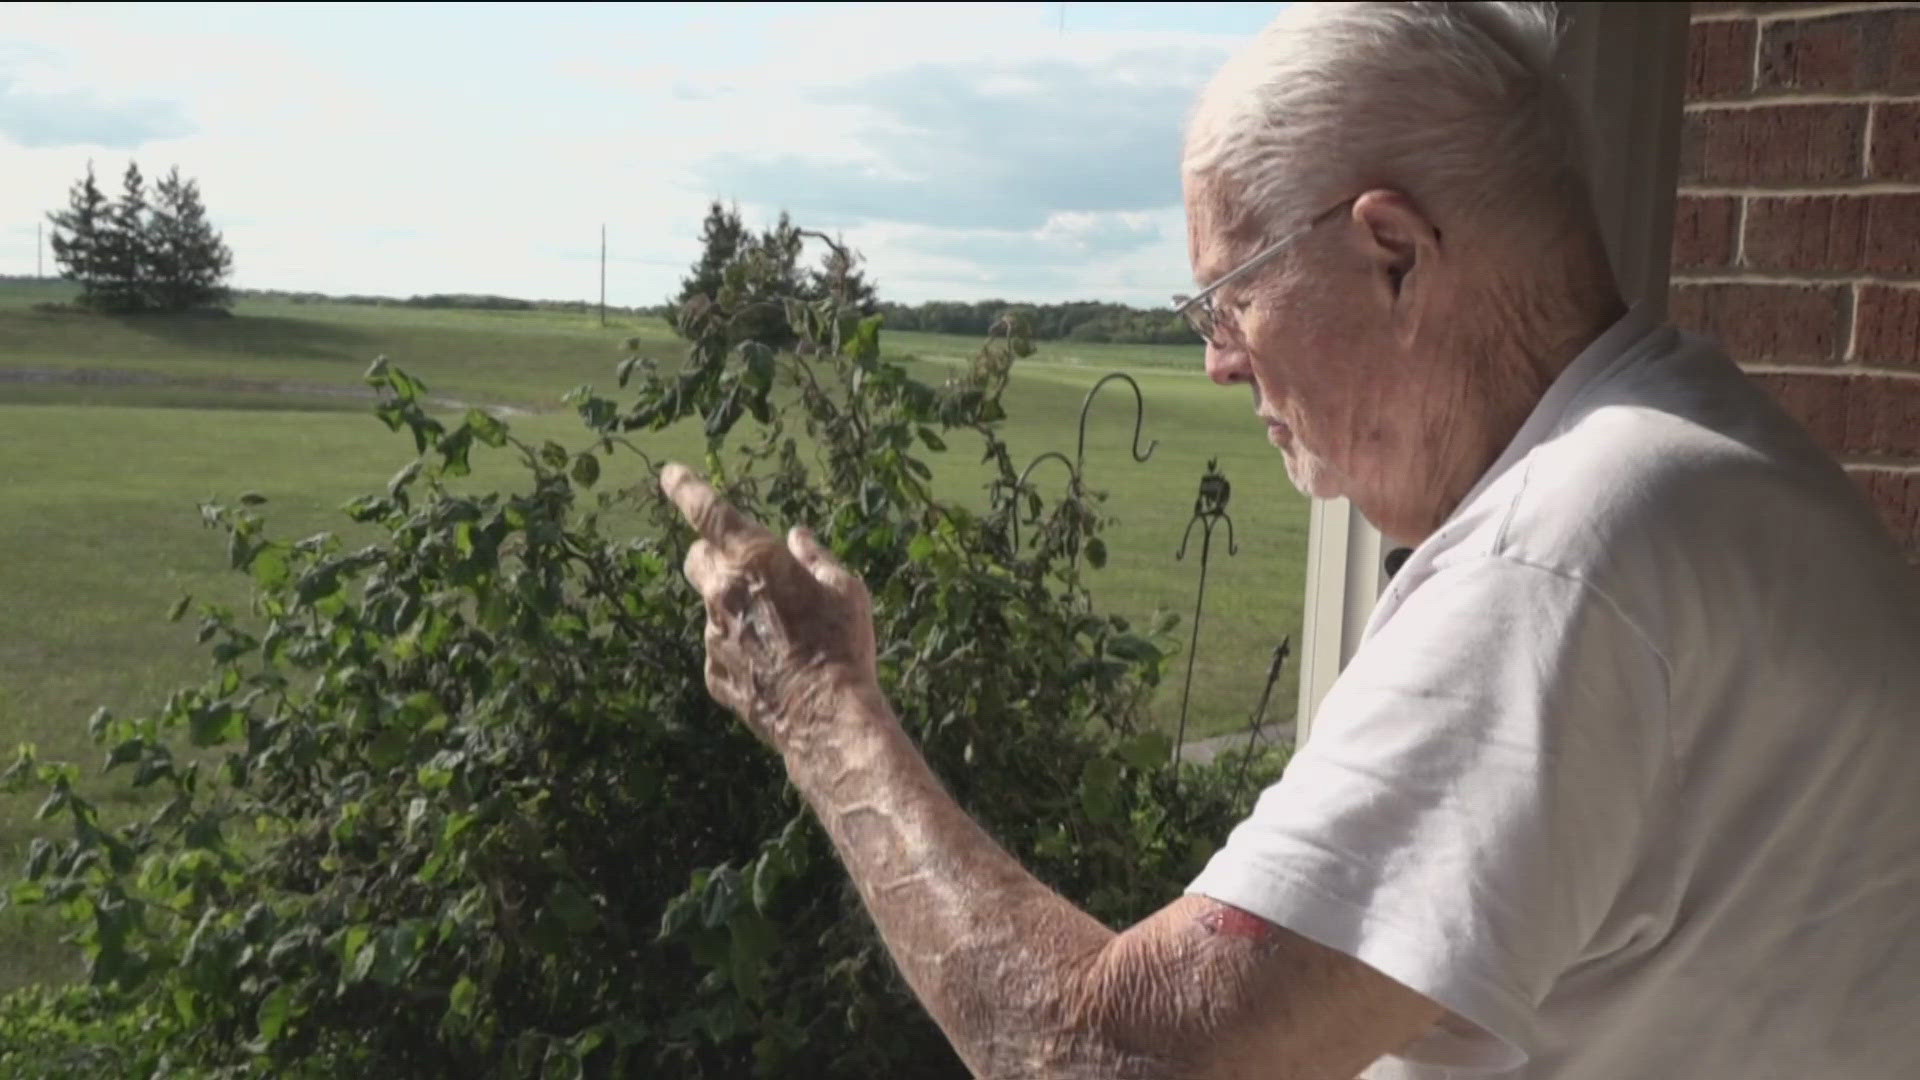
x=190 y=261
x=137 y=253
x=752 y=276
x=768 y=276
x=77 y=232
x=721 y=237
x=124 y=264
x=840 y=277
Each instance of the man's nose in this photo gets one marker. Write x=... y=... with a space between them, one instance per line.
x=1227 y=366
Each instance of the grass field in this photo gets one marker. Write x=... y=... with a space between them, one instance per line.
x=112 y=429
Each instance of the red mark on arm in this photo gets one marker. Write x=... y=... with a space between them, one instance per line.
x=1228 y=921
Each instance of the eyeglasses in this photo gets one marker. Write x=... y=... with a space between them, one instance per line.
x=1210 y=322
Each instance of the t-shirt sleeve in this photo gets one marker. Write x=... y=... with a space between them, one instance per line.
x=1474 y=795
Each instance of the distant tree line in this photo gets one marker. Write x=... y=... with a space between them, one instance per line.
x=451 y=301
x=1079 y=320
x=144 y=251
x=752 y=274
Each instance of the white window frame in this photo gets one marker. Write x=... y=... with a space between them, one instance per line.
x=1627 y=63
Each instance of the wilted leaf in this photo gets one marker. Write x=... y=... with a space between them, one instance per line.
x=586 y=470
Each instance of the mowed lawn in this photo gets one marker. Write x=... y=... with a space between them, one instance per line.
x=112 y=430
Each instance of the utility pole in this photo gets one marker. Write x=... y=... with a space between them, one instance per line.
x=603 y=275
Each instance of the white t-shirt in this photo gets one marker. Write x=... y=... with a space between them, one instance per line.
x=1626 y=772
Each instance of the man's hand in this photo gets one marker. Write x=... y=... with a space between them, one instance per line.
x=789 y=630
x=1024 y=984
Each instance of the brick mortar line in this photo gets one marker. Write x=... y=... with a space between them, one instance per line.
x=1905 y=374
x=1850 y=303
x=1775 y=100
x=1881 y=463
x=1740 y=234
x=1768 y=13
x=1765 y=16
x=1801 y=277
x=1866 y=140
x=1771 y=15
x=1863 y=189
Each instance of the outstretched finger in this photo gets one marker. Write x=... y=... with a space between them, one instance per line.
x=713 y=517
x=704 y=570
x=815 y=556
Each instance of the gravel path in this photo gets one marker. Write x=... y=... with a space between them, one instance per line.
x=118 y=377
x=1205 y=750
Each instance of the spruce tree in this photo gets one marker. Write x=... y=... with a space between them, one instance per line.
x=769 y=276
x=721 y=237
x=124 y=264
x=189 y=260
x=77 y=234
x=840 y=277
x=753 y=275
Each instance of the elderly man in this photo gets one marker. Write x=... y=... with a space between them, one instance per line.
x=1621 y=782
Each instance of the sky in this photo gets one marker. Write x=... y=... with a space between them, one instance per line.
x=1026 y=151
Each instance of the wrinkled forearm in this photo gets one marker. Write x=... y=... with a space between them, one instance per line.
x=1008 y=969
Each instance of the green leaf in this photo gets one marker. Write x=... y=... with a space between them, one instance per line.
x=269 y=569
x=353 y=941
x=1147 y=750
x=753 y=940
x=588 y=1041
x=1100 y=789
x=39 y=853
x=388 y=748
x=678 y=915
x=404 y=385
x=239 y=551
x=453 y=452
x=407 y=474
x=274 y=1011
x=461 y=998
x=933 y=441
x=126 y=751
x=1133 y=647
x=394 y=953
x=252 y=498
x=865 y=345
x=920 y=548
x=574 y=910
x=767 y=873
x=53 y=804
x=215 y=724
x=586 y=469
x=457 y=822
x=553 y=455
x=487 y=427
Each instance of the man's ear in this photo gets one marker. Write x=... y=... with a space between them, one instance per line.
x=1397 y=237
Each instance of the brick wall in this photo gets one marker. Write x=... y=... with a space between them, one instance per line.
x=1796 y=237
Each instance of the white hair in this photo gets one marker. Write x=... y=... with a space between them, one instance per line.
x=1457 y=105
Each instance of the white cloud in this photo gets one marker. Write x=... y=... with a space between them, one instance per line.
x=965 y=149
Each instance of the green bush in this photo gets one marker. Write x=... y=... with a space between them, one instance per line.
x=461 y=806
